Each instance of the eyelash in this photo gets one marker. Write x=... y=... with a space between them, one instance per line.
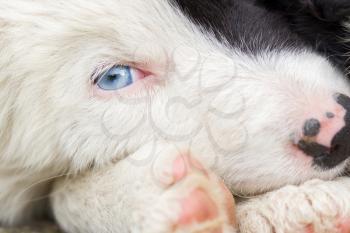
x=99 y=71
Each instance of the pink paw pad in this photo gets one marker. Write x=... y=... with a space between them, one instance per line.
x=199 y=207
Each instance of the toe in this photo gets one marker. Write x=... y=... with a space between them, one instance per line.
x=198 y=207
x=183 y=165
x=199 y=214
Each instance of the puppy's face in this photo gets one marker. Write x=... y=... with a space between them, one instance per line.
x=92 y=81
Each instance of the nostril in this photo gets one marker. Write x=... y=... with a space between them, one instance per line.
x=330 y=115
x=312 y=127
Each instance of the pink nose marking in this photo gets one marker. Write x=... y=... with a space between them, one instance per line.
x=329 y=127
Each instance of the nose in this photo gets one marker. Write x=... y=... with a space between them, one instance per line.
x=327 y=139
x=312 y=127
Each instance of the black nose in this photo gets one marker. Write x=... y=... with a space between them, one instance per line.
x=339 y=151
x=312 y=127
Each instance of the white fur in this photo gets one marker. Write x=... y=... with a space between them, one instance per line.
x=125 y=197
x=233 y=111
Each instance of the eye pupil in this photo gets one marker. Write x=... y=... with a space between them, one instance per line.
x=115 y=78
x=112 y=77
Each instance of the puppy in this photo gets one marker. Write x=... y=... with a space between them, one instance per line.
x=128 y=114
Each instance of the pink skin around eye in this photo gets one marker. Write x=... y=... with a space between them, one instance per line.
x=143 y=82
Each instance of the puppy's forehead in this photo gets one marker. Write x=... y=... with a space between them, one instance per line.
x=242 y=23
x=146 y=31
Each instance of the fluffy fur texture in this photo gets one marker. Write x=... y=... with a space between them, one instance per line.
x=322 y=206
x=233 y=105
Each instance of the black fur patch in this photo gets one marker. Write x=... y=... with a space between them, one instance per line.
x=319 y=23
x=255 y=25
x=243 y=24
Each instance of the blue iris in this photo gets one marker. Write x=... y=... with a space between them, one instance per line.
x=115 y=78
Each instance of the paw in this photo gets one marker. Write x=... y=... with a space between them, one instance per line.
x=315 y=207
x=193 y=200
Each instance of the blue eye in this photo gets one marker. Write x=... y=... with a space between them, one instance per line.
x=115 y=78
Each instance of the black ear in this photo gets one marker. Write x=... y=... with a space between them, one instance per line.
x=329 y=10
x=319 y=23
x=325 y=10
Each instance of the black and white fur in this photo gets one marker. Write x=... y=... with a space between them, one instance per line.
x=322 y=24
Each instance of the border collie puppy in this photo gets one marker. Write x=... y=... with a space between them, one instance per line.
x=128 y=116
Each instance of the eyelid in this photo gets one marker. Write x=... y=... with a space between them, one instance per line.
x=99 y=71
x=138 y=74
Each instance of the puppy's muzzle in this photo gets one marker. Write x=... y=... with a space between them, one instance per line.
x=334 y=126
